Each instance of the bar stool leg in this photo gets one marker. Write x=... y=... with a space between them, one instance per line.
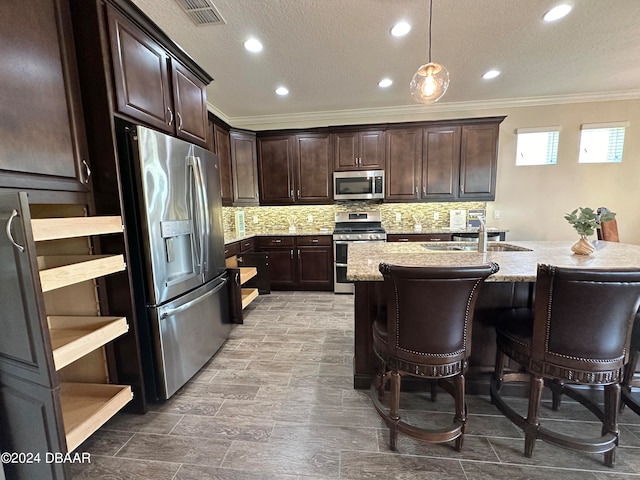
x=461 y=414
x=531 y=429
x=610 y=423
x=394 y=409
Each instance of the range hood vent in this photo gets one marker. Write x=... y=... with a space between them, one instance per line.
x=201 y=12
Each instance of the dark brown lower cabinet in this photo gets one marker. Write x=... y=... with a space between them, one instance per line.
x=299 y=263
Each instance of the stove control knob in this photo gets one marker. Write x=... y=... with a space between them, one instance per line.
x=359 y=237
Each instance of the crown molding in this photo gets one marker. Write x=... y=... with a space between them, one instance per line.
x=406 y=112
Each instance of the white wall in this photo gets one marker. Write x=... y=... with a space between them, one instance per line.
x=532 y=200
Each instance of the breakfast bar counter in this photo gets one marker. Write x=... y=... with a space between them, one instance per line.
x=512 y=286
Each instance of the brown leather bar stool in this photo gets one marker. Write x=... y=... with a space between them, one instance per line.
x=608 y=231
x=426 y=333
x=578 y=332
x=629 y=381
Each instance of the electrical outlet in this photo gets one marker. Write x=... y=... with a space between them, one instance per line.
x=310 y=218
x=255 y=219
x=436 y=215
x=496 y=214
x=398 y=217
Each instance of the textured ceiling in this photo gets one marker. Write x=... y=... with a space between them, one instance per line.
x=331 y=53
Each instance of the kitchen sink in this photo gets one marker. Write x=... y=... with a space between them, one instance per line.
x=466 y=247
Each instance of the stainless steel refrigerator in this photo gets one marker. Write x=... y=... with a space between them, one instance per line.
x=173 y=215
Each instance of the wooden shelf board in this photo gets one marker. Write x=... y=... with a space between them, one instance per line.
x=69 y=227
x=57 y=271
x=72 y=337
x=248 y=296
x=247 y=273
x=88 y=406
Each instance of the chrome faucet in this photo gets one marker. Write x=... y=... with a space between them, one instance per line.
x=482 y=236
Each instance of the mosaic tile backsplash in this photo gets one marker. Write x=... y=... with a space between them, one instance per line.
x=314 y=217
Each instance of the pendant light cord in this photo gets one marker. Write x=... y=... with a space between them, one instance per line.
x=430 y=18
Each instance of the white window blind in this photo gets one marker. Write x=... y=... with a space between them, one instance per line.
x=537 y=146
x=602 y=142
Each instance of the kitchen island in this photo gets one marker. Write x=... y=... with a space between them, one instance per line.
x=512 y=286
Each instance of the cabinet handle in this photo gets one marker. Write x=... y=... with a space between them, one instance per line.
x=424 y=190
x=87 y=171
x=277 y=240
x=14 y=214
x=298 y=192
x=291 y=195
x=291 y=253
x=170 y=116
x=403 y=239
x=179 y=120
x=315 y=240
x=435 y=239
x=416 y=191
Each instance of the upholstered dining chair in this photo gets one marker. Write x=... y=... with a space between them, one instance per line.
x=608 y=231
x=425 y=332
x=578 y=332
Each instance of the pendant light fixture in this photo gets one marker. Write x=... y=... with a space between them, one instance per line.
x=431 y=80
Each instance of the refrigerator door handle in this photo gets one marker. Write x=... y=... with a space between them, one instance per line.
x=169 y=312
x=195 y=202
x=205 y=229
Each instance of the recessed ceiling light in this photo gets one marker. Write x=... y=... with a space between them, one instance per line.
x=385 y=82
x=400 y=29
x=557 y=13
x=253 y=45
x=491 y=74
x=282 y=91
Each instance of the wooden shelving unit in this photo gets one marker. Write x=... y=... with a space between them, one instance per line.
x=67 y=277
x=248 y=294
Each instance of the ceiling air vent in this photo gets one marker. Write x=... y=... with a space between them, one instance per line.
x=201 y=12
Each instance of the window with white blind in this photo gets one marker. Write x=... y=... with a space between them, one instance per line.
x=602 y=142
x=537 y=146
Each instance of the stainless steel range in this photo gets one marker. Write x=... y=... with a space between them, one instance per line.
x=352 y=227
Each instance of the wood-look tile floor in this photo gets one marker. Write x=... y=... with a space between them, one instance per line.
x=277 y=402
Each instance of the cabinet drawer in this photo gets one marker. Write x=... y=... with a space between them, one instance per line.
x=246 y=245
x=419 y=237
x=231 y=249
x=324 y=240
x=276 y=241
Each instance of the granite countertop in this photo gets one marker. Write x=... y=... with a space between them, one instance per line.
x=232 y=237
x=518 y=266
x=408 y=231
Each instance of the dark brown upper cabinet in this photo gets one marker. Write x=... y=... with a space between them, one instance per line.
x=295 y=169
x=42 y=128
x=151 y=86
x=222 y=140
x=362 y=150
x=244 y=168
x=478 y=162
x=456 y=161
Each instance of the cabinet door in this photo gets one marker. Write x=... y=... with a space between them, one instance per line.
x=371 y=150
x=315 y=268
x=404 y=157
x=25 y=347
x=275 y=167
x=244 y=168
x=440 y=163
x=478 y=162
x=43 y=142
x=223 y=150
x=282 y=268
x=345 y=151
x=314 y=168
x=141 y=72
x=190 y=102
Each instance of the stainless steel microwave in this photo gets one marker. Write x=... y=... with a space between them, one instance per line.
x=358 y=185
